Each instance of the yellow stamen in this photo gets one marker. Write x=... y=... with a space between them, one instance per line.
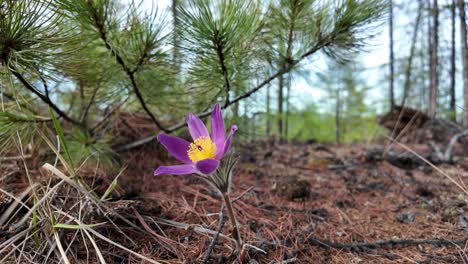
x=202 y=148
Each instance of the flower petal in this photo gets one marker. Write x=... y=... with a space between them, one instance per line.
x=227 y=144
x=175 y=170
x=196 y=127
x=217 y=128
x=207 y=166
x=177 y=147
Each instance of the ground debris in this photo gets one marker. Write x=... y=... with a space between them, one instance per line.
x=329 y=203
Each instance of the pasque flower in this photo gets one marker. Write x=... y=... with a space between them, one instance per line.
x=203 y=155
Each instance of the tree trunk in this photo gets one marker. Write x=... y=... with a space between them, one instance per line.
x=453 y=112
x=280 y=106
x=268 y=112
x=392 y=59
x=464 y=48
x=337 y=117
x=288 y=94
x=408 y=72
x=433 y=88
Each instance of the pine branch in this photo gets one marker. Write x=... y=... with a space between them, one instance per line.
x=350 y=22
x=129 y=72
x=88 y=106
x=45 y=98
x=21 y=104
x=245 y=95
x=220 y=54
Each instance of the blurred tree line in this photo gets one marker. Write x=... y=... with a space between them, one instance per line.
x=430 y=66
x=88 y=60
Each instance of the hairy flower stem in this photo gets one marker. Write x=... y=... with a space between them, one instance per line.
x=232 y=218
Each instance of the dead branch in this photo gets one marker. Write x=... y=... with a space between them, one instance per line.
x=453 y=140
x=364 y=246
x=401 y=160
x=447 y=155
x=221 y=221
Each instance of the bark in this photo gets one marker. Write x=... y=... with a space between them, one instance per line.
x=464 y=48
x=407 y=84
x=337 y=117
x=453 y=112
x=434 y=78
x=392 y=59
x=288 y=95
x=280 y=105
x=268 y=112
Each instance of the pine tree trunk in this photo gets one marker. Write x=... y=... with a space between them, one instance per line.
x=392 y=59
x=268 y=111
x=280 y=106
x=433 y=88
x=407 y=84
x=337 y=117
x=453 y=112
x=288 y=94
x=464 y=48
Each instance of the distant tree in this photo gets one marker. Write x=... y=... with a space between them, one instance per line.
x=392 y=58
x=268 y=111
x=346 y=88
x=409 y=66
x=434 y=61
x=464 y=53
x=453 y=69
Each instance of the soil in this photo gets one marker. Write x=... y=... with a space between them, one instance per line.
x=296 y=203
x=296 y=198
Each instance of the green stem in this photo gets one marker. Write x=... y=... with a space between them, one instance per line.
x=232 y=218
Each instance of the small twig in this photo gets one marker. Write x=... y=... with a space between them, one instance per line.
x=242 y=194
x=28 y=156
x=431 y=258
x=221 y=221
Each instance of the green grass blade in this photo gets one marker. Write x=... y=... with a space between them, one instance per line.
x=68 y=226
x=111 y=188
x=58 y=129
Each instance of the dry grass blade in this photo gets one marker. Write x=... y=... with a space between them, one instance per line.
x=84 y=227
x=60 y=247
x=31 y=211
x=120 y=246
x=96 y=248
x=18 y=201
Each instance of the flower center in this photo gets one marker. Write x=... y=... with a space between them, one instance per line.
x=202 y=148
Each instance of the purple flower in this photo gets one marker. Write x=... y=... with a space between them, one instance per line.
x=203 y=155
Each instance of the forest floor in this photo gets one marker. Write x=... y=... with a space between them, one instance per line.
x=298 y=203
x=313 y=203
